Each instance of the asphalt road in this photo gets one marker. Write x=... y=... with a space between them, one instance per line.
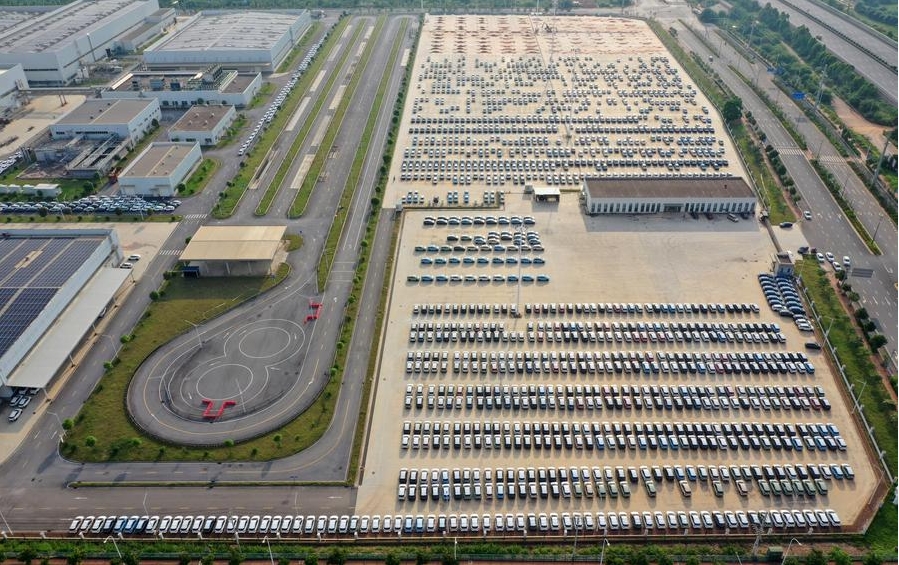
x=823 y=23
x=35 y=476
x=873 y=277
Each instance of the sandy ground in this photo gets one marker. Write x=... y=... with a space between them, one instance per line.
x=857 y=123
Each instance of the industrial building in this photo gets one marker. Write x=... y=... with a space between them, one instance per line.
x=12 y=80
x=56 y=45
x=181 y=89
x=159 y=169
x=248 y=251
x=637 y=195
x=256 y=41
x=53 y=286
x=204 y=124
x=98 y=119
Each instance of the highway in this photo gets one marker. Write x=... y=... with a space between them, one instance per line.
x=835 y=30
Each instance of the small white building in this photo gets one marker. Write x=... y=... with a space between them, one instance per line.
x=626 y=195
x=204 y=124
x=97 y=119
x=12 y=80
x=159 y=169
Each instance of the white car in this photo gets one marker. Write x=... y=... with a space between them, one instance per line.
x=807 y=215
x=829 y=256
x=846 y=261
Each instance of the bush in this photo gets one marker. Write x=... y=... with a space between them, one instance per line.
x=311 y=559
x=336 y=557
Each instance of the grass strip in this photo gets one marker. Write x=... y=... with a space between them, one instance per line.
x=855 y=356
x=200 y=177
x=253 y=159
x=287 y=63
x=288 y=161
x=352 y=182
x=298 y=206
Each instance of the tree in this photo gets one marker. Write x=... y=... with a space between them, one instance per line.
x=90 y=441
x=68 y=424
x=391 y=559
x=27 y=555
x=207 y=559
x=872 y=559
x=77 y=556
x=732 y=110
x=336 y=557
x=877 y=341
x=861 y=314
x=708 y=16
x=448 y=559
x=311 y=559
x=840 y=557
x=815 y=557
x=235 y=557
x=183 y=559
x=421 y=558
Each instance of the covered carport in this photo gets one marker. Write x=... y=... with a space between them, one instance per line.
x=234 y=251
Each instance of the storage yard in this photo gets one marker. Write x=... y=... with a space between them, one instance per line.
x=546 y=371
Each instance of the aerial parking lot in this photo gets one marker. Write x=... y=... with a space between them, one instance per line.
x=543 y=371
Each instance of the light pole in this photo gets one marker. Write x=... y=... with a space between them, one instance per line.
x=858 y=406
x=62 y=436
x=115 y=348
x=877 y=228
x=787 y=552
x=270 y=556
x=197 y=332
x=114 y=544
x=605 y=543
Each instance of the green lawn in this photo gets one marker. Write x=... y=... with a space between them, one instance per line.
x=197 y=181
x=855 y=355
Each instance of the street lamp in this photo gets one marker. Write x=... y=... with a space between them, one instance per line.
x=114 y=544
x=197 y=332
x=270 y=556
x=62 y=436
x=787 y=552
x=115 y=348
x=605 y=543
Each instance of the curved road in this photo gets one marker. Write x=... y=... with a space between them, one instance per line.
x=33 y=495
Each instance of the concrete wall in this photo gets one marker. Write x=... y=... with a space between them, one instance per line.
x=11 y=80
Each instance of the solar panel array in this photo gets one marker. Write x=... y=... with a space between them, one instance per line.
x=32 y=270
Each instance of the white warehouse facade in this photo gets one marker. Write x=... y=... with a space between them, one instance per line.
x=159 y=169
x=12 y=80
x=204 y=124
x=627 y=195
x=98 y=118
x=245 y=40
x=54 y=46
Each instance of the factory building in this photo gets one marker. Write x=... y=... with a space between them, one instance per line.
x=630 y=195
x=98 y=119
x=159 y=169
x=182 y=89
x=204 y=124
x=55 y=283
x=245 y=40
x=56 y=45
x=12 y=80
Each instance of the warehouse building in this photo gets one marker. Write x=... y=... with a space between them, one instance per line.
x=12 y=80
x=55 y=283
x=204 y=124
x=56 y=45
x=629 y=195
x=246 y=251
x=245 y=40
x=98 y=119
x=182 y=89
x=159 y=169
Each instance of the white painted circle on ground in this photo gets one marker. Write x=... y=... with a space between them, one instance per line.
x=272 y=345
x=230 y=382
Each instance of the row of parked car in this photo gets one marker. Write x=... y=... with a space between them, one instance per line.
x=512 y=279
x=586 y=523
x=19 y=401
x=94 y=205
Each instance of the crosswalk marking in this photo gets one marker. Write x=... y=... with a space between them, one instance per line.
x=789 y=150
x=196 y=216
x=171 y=252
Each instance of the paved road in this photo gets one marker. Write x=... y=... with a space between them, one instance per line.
x=34 y=477
x=829 y=230
x=824 y=21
